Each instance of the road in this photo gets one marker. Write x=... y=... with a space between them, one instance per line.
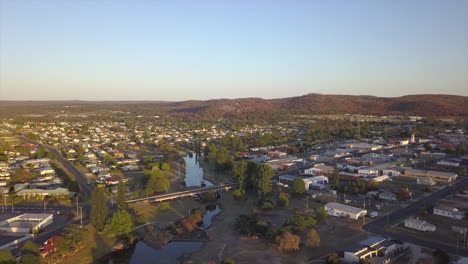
x=80 y=177
x=378 y=226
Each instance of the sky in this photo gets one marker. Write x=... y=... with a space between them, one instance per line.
x=182 y=50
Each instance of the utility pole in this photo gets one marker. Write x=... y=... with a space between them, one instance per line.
x=81 y=214
x=77 y=204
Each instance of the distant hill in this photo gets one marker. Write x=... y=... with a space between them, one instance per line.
x=424 y=104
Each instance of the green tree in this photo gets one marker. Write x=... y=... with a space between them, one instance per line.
x=237 y=194
x=157 y=182
x=332 y=259
x=99 y=210
x=73 y=238
x=320 y=212
x=240 y=172
x=264 y=175
x=298 y=186
x=298 y=223
x=165 y=166
x=121 y=201
x=6 y=257
x=229 y=261
x=283 y=200
x=313 y=238
x=30 y=253
x=73 y=186
x=335 y=178
x=120 y=223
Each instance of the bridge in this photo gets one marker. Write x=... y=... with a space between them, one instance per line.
x=175 y=195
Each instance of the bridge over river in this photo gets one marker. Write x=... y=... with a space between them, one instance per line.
x=175 y=195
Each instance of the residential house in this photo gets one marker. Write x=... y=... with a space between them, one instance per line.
x=450 y=212
x=421 y=225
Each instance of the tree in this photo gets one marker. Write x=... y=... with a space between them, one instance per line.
x=313 y=238
x=335 y=178
x=73 y=186
x=73 y=238
x=266 y=205
x=121 y=201
x=240 y=172
x=288 y=242
x=237 y=194
x=30 y=253
x=229 y=261
x=320 y=212
x=298 y=186
x=264 y=175
x=283 y=200
x=99 y=210
x=157 y=182
x=165 y=166
x=298 y=223
x=332 y=259
x=6 y=257
x=120 y=223
x=404 y=193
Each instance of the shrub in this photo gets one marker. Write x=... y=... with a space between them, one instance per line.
x=266 y=205
x=283 y=200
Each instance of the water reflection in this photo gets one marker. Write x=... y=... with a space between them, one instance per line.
x=194 y=173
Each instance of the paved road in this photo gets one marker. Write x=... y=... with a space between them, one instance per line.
x=378 y=226
x=80 y=177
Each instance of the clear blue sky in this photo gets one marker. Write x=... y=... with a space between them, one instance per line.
x=178 y=50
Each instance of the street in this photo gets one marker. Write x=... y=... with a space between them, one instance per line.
x=378 y=226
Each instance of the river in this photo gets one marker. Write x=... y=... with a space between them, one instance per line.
x=171 y=253
x=194 y=173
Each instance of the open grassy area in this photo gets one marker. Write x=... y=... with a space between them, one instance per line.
x=226 y=242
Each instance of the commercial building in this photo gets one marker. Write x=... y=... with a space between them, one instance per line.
x=26 y=222
x=343 y=210
x=435 y=175
x=374 y=249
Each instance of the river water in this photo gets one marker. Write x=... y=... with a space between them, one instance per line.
x=193 y=172
x=173 y=251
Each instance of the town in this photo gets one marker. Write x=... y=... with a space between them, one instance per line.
x=320 y=189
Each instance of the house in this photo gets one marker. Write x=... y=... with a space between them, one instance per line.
x=421 y=225
x=48 y=247
x=342 y=210
x=374 y=249
x=130 y=167
x=450 y=212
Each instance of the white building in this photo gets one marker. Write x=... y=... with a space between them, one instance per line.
x=415 y=223
x=342 y=210
x=317 y=182
x=450 y=212
x=425 y=181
